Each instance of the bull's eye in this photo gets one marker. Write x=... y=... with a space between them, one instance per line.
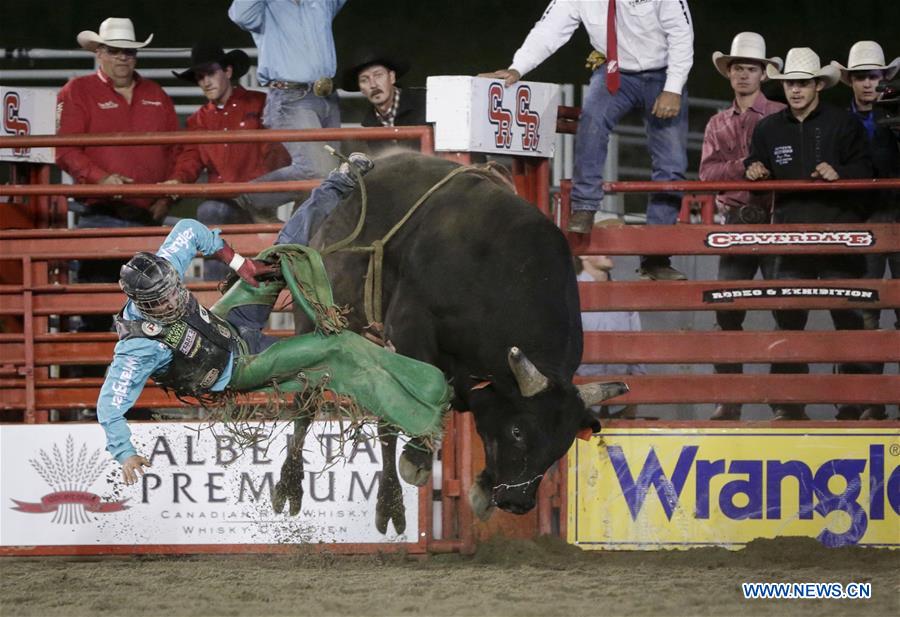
x=517 y=433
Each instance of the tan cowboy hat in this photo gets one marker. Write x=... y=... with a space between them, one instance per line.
x=114 y=32
x=745 y=46
x=867 y=56
x=803 y=63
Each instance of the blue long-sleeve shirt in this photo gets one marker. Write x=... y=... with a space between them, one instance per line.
x=135 y=360
x=294 y=37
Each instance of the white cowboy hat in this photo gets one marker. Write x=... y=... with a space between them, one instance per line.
x=114 y=32
x=867 y=56
x=803 y=63
x=745 y=46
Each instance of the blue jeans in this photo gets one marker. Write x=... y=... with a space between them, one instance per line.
x=666 y=140
x=299 y=229
x=296 y=109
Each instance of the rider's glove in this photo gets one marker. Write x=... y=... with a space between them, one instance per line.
x=248 y=269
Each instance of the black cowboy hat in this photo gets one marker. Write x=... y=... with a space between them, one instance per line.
x=205 y=54
x=366 y=58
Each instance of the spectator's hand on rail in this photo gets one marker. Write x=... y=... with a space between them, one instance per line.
x=116 y=179
x=159 y=209
x=248 y=269
x=173 y=181
x=509 y=76
x=667 y=105
x=133 y=466
x=756 y=171
x=825 y=172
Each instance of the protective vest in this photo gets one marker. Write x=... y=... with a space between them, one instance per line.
x=201 y=345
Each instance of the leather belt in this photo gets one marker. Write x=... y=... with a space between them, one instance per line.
x=321 y=87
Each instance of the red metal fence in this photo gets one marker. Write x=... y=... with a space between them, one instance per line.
x=26 y=387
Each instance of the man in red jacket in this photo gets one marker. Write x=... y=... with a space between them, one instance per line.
x=115 y=99
x=229 y=108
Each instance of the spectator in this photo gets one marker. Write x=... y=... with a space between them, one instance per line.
x=375 y=74
x=648 y=52
x=297 y=62
x=230 y=107
x=726 y=143
x=115 y=99
x=811 y=139
x=865 y=69
x=591 y=268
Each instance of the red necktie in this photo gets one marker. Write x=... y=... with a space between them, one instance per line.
x=612 y=53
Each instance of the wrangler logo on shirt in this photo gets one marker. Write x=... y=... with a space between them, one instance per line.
x=108 y=105
x=178 y=243
x=120 y=387
x=147 y=102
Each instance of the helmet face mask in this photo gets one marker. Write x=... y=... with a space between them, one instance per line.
x=165 y=310
x=155 y=287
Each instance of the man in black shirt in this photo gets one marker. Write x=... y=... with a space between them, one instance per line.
x=375 y=74
x=865 y=69
x=811 y=140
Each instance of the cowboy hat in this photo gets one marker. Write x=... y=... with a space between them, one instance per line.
x=114 y=32
x=204 y=54
x=745 y=46
x=367 y=58
x=803 y=63
x=867 y=56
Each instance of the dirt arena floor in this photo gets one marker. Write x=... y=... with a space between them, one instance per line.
x=505 y=577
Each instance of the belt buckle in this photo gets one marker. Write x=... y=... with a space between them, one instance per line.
x=323 y=87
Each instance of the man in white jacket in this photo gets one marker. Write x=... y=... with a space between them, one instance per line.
x=648 y=50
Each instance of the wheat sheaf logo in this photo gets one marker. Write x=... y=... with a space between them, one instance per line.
x=70 y=477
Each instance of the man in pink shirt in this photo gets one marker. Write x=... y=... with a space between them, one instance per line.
x=726 y=143
x=115 y=99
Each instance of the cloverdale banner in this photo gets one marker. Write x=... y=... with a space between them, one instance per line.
x=60 y=487
x=666 y=488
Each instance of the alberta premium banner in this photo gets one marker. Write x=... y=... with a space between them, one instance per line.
x=58 y=486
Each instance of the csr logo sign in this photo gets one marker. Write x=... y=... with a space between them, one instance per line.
x=13 y=124
x=502 y=118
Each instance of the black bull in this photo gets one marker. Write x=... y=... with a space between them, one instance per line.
x=479 y=283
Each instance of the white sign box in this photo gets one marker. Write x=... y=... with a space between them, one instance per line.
x=28 y=111
x=477 y=114
x=58 y=486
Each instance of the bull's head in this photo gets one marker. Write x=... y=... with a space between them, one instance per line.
x=526 y=428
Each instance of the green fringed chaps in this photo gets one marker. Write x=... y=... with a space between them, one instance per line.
x=410 y=395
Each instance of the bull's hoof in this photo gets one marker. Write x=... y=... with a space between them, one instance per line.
x=290 y=493
x=413 y=473
x=389 y=507
x=481 y=502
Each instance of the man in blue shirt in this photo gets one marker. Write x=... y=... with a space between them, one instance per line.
x=297 y=62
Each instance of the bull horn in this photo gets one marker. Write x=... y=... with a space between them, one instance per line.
x=593 y=393
x=527 y=375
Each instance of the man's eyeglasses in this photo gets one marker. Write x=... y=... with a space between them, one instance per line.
x=117 y=51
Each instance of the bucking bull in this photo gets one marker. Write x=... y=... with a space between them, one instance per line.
x=480 y=284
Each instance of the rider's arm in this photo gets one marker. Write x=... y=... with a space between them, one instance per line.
x=186 y=239
x=133 y=363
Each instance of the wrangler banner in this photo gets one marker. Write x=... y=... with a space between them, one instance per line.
x=683 y=487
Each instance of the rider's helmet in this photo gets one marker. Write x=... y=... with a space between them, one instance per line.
x=155 y=287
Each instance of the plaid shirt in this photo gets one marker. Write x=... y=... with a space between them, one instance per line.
x=388 y=118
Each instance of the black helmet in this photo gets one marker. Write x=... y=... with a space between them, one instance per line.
x=153 y=284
